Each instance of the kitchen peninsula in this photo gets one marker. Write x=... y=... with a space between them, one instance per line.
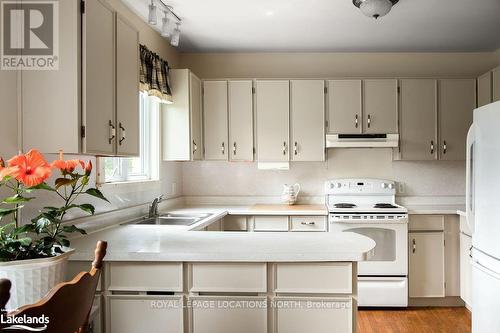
x=160 y=280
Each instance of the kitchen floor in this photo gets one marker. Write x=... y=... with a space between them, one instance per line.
x=415 y=320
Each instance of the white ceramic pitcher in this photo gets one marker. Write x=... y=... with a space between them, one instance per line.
x=290 y=193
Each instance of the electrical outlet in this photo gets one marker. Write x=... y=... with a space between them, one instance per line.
x=401 y=187
x=174 y=189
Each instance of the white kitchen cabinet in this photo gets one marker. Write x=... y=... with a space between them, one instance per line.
x=496 y=84
x=426 y=264
x=182 y=120
x=308 y=223
x=145 y=276
x=228 y=314
x=152 y=314
x=456 y=102
x=465 y=269
x=418 y=116
x=127 y=88
x=270 y=223
x=484 y=89
x=307 y=113
x=318 y=315
x=344 y=107
x=380 y=106
x=229 y=277
x=240 y=100
x=234 y=223
x=272 y=114
x=215 y=119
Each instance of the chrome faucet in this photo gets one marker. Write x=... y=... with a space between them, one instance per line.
x=153 y=209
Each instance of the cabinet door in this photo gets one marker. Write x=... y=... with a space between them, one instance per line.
x=152 y=314
x=465 y=269
x=307 y=111
x=426 y=271
x=344 y=107
x=484 y=89
x=418 y=118
x=380 y=102
x=99 y=78
x=215 y=120
x=195 y=113
x=457 y=100
x=272 y=120
x=496 y=84
x=127 y=87
x=241 y=120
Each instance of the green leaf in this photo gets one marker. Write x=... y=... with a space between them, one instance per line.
x=16 y=199
x=25 y=241
x=64 y=182
x=41 y=186
x=87 y=208
x=72 y=228
x=6 y=211
x=96 y=193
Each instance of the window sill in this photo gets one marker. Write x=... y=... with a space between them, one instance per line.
x=130 y=185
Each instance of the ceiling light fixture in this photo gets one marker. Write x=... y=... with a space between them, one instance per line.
x=375 y=8
x=165 y=27
x=152 y=17
x=176 y=35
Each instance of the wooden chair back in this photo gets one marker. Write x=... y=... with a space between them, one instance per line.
x=67 y=305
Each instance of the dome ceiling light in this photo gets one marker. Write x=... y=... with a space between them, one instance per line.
x=375 y=8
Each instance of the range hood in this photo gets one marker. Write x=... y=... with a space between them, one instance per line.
x=362 y=140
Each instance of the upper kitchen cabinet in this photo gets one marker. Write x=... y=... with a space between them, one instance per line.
x=496 y=84
x=484 y=89
x=380 y=103
x=418 y=116
x=215 y=118
x=127 y=88
x=51 y=98
x=344 y=107
x=182 y=120
x=272 y=114
x=456 y=101
x=240 y=100
x=307 y=113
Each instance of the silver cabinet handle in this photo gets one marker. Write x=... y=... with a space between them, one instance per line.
x=295 y=148
x=284 y=147
x=122 y=133
x=195 y=147
x=414 y=246
x=234 y=148
x=307 y=223
x=369 y=122
x=112 y=131
x=356 y=121
x=432 y=147
x=445 y=147
x=223 y=148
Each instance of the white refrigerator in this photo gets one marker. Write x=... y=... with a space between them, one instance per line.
x=483 y=216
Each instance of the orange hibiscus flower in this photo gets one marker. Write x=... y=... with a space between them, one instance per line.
x=66 y=166
x=30 y=169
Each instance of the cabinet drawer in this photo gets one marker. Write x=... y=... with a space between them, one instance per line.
x=152 y=314
x=233 y=277
x=426 y=223
x=332 y=278
x=318 y=315
x=235 y=223
x=270 y=223
x=145 y=276
x=308 y=223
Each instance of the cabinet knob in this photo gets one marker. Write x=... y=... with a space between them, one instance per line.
x=445 y=147
x=414 y=246
x=356 y=121
x=234 y=148
x=223 y=148
x=295 y=148
x=369 y=122
x=112 y=132
x=122 y=133
x=307 y=223
x=195 y=147
x=284 y=147
x=432 y=147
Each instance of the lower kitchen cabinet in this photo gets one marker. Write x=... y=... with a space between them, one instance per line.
x=465 y=269
x=318 y=315
x=152 y=314
x=234 y=223
x=426 y=264
x=228 y=314
x=270 y=223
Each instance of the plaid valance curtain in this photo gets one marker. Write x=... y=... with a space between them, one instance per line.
x=154 y=75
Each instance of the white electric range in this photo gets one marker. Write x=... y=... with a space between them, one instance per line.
x=367 y=207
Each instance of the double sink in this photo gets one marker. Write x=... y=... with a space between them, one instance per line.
x=171 y=219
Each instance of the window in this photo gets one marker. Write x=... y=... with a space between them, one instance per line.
x=146 y=166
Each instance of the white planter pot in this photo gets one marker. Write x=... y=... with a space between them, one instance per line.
x=32 y=279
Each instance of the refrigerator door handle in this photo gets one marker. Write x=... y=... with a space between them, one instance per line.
x=469 y=175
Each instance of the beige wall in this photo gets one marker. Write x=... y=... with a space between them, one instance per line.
x=221 y=65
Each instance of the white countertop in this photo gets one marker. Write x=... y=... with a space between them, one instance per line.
x=157 y=243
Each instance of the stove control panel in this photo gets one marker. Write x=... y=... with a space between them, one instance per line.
x=360 y=186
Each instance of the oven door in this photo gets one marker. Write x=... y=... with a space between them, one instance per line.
x=391 y=251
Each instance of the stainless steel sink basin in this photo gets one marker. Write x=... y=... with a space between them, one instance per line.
x=172 y=219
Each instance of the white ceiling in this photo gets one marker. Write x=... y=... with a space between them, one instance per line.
x=333 y=25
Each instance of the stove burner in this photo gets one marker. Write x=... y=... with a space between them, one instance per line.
x=344 y=205
x=384 y=205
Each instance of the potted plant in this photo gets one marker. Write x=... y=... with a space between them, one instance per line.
x=34 y=255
